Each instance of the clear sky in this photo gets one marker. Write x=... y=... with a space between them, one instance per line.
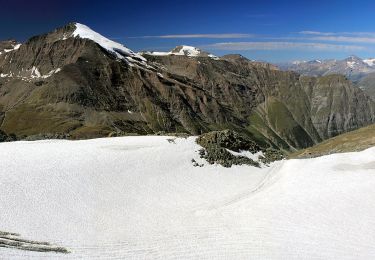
x=264 y=30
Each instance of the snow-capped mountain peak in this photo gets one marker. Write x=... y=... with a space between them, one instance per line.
x=118 y=49
x=353 y=67
x=370 y=62
x=297 y=62
x=186 y=50
x=351 y=64
x=183 y=50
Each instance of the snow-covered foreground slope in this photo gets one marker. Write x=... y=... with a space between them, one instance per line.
x=141 y=198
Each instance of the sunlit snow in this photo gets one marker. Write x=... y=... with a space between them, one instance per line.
x=142 y=198
x=118 y=49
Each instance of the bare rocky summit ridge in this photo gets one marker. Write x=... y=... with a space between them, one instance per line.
x=63 y=83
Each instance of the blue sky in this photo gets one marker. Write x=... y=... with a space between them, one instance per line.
x=264 y=30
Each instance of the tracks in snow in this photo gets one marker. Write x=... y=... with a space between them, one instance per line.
x=270 y=178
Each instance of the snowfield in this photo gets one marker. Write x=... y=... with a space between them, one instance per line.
x=142 y=198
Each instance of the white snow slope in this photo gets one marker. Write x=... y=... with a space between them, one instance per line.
x=141 y=198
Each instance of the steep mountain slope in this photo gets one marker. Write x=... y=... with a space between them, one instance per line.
x=74 y=81
x=279 y=106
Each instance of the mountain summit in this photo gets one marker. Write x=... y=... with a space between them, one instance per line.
x=84 y=32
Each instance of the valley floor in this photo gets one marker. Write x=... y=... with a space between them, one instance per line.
x=142 y=198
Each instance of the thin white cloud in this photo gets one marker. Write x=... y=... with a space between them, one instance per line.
x=317 y=33
x=207 y=36
x=338 y=39
x=353 y=37
x=354 y=34
x=345 y=39
x=243 y=46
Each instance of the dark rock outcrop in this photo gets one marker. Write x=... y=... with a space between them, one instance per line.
x=228 y=139
x=13 y=240
x=7 y=138
x=216 y=146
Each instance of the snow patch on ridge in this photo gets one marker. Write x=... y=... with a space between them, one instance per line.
x=351 y=64
x=15 y=47
x=35 y=72
x=32 y=73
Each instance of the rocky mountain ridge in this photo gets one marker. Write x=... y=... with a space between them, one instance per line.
x=74 y=81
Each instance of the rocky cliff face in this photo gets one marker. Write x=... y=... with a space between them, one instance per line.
x=74 y=82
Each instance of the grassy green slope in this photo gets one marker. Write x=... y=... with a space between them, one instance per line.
x=353 y=141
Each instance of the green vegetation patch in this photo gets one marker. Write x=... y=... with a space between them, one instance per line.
x=353 y=141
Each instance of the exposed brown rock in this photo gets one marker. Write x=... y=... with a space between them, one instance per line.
x=93 y=94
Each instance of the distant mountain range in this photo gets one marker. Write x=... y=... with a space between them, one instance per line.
x=74 y=82
x=360 y=71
